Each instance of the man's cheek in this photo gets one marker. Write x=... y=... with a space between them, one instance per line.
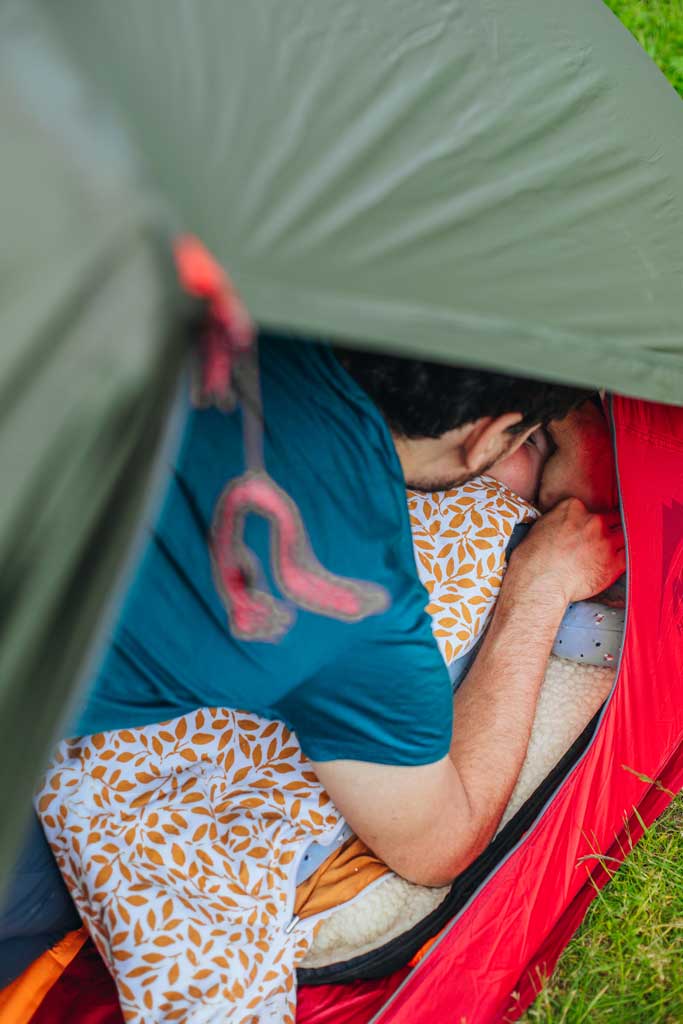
x=553 y=487
x=545 y=498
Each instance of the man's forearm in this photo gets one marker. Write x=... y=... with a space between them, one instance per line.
x=494 y=708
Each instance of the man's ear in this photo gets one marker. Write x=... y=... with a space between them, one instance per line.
x=488 y=440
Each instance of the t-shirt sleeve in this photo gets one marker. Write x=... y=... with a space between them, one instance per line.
x=384 y=699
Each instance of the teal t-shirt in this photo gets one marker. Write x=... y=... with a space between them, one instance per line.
x=376 y=690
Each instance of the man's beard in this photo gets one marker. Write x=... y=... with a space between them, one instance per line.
x=432 y=486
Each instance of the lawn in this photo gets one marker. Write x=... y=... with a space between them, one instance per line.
x=625 y=964
x=658 y=27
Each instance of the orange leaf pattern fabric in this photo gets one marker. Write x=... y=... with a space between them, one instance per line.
x=179 y=843
x=460 y=537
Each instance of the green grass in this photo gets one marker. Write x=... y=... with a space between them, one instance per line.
x=658 y=27
x=625 y=964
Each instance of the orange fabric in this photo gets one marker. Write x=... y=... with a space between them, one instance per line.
x=344 y=874
x=199 y=272
x=423 y=950
x=20 y=1000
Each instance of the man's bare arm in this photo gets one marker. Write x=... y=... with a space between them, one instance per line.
x=429 y=822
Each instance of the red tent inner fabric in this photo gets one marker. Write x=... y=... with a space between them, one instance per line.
x=513 y=929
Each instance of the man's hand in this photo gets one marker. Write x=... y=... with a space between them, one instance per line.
x=572 y=551
x=583 y=464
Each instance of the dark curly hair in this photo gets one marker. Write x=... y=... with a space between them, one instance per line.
x=420 y=399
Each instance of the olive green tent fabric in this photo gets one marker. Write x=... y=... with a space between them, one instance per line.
x=91 y=346
x=482 y=180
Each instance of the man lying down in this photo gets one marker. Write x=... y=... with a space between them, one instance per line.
x=191 y=874
x=462 y=539
x=370 y=703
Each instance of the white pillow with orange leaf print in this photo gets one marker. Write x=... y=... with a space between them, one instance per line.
x=460 y=538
